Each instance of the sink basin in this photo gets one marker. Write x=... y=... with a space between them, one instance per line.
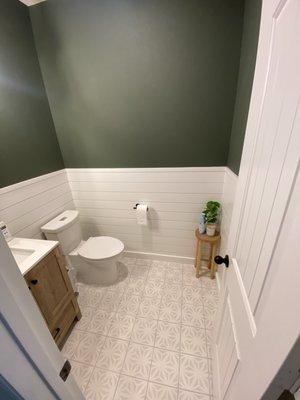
x=20 y=255
x=29 y=252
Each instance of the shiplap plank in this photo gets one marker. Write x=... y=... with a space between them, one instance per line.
x=190 y=198
x=147 y=177
x=153 y=214
x=166 y=187
x=128 y=205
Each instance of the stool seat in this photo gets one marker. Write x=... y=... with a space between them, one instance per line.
x=213 y=241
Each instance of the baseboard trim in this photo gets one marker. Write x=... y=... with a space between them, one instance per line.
x=158 y=256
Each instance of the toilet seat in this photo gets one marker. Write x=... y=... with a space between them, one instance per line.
x=100 y=248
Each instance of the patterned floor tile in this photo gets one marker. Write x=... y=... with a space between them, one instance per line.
x=193 y=341
x=165 y=367
x=138 y=361
x=130 y=389
x=153 y=288
x=191 y=280
x=193 y=314
x=110 y=301
x=210 y=297
x=173 y=277
x=121 y=326
x=102 y=385
x=88 y=348
x=140 y=271
x=112 y=354
x=129 y=304
x=170 y=311
x=168 y=336
x=144 y=308
x=90 y=297
x=185 y=395
x=156 y=272
x=209 y=317
x=171 y=292
x=86 y=317
x=81 y=373
x=100 y=322
x=192 y=294
x=71 y=344
x=135 y=287
x=160 y=392
x=144 y=331
x=209 y=338
x=194 y=374
x=207 y=282
x=149 y=307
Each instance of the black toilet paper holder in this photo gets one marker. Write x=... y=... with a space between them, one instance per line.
x=137 y=204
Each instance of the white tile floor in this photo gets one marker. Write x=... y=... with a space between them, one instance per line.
x=147 y=336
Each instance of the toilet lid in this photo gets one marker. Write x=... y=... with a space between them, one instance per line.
x=101 y=247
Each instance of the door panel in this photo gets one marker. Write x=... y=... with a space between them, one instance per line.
x=227 y=346
x=49 y=286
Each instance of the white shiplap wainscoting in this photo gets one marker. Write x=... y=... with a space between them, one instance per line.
x=27 y=205
x=175 y=196
x=105 y=200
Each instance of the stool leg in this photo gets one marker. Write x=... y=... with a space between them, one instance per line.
x=212 y=261
x=197 y=251
x=198 y=260
x=209 y=257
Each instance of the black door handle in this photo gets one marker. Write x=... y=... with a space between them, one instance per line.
x=222 y=260
x=34 y=281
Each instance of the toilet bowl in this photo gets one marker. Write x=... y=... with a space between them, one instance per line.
x=94 y=260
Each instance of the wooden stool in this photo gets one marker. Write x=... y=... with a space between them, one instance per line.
x=213 y=241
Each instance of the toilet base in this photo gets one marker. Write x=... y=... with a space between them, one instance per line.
x=99 y=273
x=103 y=275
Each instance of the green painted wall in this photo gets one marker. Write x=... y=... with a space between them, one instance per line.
x=28 y=141
x=137 y=83
x=246 y=73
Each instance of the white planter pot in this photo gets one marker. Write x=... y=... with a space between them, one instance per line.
x=210 y=229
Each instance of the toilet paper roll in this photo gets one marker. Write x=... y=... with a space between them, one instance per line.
x=141 y=214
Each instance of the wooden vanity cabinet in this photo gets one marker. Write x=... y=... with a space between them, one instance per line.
x=51 y=287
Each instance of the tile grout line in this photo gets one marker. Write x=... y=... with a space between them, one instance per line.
x=154 y=339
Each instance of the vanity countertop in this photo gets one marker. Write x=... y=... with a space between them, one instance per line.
x=29 y=252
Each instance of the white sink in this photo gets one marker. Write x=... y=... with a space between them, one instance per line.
x=20 y=255
x=28 y=252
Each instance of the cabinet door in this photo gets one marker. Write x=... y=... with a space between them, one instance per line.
x=51 y=287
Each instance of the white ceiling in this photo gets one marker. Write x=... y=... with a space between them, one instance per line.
x=31 y=2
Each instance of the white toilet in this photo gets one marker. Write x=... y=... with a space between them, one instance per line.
x=94 y=260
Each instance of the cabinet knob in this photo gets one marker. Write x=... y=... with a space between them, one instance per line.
x=57 y=330
x=34 y=281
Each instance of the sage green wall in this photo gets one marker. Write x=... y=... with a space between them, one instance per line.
x=139 y=83
x=246 y=73
x=28 y=141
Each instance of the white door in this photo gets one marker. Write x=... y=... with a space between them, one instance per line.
x=248 y=321
x=29 y=358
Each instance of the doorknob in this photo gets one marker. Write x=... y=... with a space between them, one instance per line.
x=222 y=260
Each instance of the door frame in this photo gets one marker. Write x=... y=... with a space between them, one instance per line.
x=29 y=331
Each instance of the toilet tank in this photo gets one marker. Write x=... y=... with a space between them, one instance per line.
x=64 y=228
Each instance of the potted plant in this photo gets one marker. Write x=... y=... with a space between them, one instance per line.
x=211 y=216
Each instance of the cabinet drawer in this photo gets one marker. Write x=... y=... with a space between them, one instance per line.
x=63 y=323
